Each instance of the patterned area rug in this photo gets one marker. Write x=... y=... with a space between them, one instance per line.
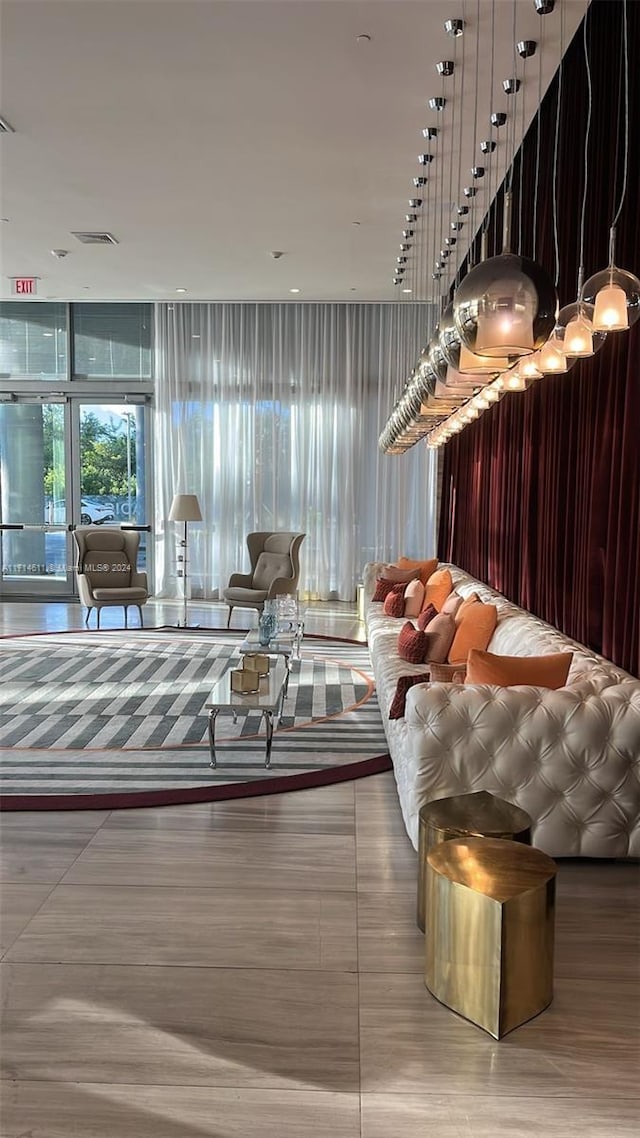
x=112 y=719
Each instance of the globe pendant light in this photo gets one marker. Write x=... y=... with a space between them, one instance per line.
x=506 y=305
x=551 y=358
x=575 y=327
x=513 y=381
x=449 y=338
x=472 y=364
x=528 y=367
x=610 y=309
x=616 y=292
x=437 y=358
x=578 y=339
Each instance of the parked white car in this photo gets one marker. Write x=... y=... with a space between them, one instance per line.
x=93 y=514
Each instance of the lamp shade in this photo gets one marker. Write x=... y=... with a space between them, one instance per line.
x=505 y=307
x=185 y=508
x=616 y=294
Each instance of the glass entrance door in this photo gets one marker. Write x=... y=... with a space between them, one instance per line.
x=35 y=543
x=111 y=472
x=63 y=464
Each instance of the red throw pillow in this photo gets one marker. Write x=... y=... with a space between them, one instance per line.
x=426 y=616
x=412 y=644
x=396 y=711
x=394 y=602
x=383 y=588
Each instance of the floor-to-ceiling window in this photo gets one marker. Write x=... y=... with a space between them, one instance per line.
x=270 y=413
x=75 y=393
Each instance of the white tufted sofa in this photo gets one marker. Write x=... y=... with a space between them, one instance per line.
x=570 y=758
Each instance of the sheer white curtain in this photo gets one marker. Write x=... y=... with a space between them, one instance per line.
x=271 y=413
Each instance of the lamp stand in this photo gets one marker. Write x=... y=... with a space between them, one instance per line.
x=185 y=508
x=184 y=545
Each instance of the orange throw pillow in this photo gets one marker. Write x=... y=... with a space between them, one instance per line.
x=426 y=567
x=438 y=587
x=508 y=671
x=474 y=631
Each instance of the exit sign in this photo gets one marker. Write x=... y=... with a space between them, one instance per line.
x=25 y=286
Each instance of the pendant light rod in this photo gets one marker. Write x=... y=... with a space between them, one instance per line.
x=506 y=222
x=623 y=192
x=556 y=239
x=625 y=42
x=586 y=153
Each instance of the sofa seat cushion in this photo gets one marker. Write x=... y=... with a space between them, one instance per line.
x=249 y=596
x=548 y=671
x=128 y=595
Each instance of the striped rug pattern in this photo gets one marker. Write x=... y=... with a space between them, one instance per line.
x=97 y=713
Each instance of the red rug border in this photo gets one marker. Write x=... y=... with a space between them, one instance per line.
x=189 y=795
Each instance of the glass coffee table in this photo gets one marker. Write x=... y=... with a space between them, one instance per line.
x=268 y=700
x=284 y=644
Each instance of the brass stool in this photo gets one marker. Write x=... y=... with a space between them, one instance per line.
x=490 y=913
x=477 y=815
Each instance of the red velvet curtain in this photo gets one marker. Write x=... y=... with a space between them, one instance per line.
x=541 y=496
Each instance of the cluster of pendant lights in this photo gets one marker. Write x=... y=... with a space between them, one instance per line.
x=502 y=331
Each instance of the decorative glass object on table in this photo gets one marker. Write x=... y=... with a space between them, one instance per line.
x=290 y=621
x=268 y=622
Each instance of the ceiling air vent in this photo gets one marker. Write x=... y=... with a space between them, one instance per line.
x=96 y=238
x=6 y=127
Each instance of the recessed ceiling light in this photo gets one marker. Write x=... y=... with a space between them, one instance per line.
x=195 y=336
x=364 y=37
x=181 y=290
x=294 y=290
x=406 y=290
x=47 y=334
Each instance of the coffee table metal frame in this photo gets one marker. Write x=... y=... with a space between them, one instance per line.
x=268 y=700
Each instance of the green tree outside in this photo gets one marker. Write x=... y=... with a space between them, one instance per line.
x=103 y=456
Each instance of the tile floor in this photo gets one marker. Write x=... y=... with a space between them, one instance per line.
x=252 y=969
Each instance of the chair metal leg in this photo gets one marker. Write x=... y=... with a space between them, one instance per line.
x=229 y=616
x=126 y=612
x=97 y=618
x=86 y=619
x=139 y=608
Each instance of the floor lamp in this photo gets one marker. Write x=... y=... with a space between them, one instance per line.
x=185 y=508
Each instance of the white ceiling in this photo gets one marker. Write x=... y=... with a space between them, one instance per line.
x=206 y=133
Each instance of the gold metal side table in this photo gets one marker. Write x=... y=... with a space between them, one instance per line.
x=477 y=815
x=490 y=913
